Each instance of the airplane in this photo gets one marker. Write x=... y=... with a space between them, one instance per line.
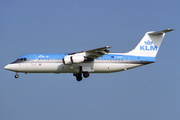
x=91 y=61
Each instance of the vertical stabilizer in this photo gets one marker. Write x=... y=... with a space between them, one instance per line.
x=149 y=44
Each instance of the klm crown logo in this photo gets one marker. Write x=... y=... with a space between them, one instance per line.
x=148 y=46
x=148 y=42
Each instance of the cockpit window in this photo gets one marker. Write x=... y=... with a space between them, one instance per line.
x=18 y=60
x=21 y=59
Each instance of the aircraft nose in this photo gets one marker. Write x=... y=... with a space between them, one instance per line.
x=7 y=67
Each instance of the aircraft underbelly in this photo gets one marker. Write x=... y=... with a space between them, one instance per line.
x=74 y=68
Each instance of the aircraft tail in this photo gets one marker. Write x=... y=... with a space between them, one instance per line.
x=149 y=44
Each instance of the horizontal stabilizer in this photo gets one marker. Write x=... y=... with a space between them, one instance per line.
x=160 y=32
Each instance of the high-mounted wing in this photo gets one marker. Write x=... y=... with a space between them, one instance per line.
x=99 y=52
x=79 y=57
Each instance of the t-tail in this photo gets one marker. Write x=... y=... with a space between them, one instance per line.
x=149 y=44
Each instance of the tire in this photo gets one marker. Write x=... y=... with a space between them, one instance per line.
x=85 y=74
x=16 y=76
x=78 y=77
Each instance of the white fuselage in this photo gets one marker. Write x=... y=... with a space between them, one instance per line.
x=57 y=66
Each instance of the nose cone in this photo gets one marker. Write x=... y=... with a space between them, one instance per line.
x=7 y=67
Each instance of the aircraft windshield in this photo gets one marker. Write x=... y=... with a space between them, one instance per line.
x=20 y=59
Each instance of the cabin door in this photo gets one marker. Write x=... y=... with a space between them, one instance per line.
x=33 y=59
x=126 y=60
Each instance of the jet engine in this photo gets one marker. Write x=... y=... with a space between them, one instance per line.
x=77 y=59
x=67 y=60
x=73 y=59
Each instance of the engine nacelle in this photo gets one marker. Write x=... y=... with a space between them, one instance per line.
x=73 y=59
x=67 y=60
x=77 y=59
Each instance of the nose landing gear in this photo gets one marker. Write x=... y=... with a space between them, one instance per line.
x=16 y=76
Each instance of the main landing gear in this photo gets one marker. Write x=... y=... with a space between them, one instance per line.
x=79 y=75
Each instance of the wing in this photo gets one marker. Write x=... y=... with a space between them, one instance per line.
x=99 y=52
x=79 y=57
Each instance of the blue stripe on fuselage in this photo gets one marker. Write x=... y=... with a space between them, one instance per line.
x=43 y=56
x=127 y=57
x=105 y=57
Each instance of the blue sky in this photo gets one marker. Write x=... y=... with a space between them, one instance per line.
x=149 y=92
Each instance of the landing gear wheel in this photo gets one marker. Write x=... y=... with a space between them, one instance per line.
x=16 y=76
x=85 y=74
x=78 y=77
